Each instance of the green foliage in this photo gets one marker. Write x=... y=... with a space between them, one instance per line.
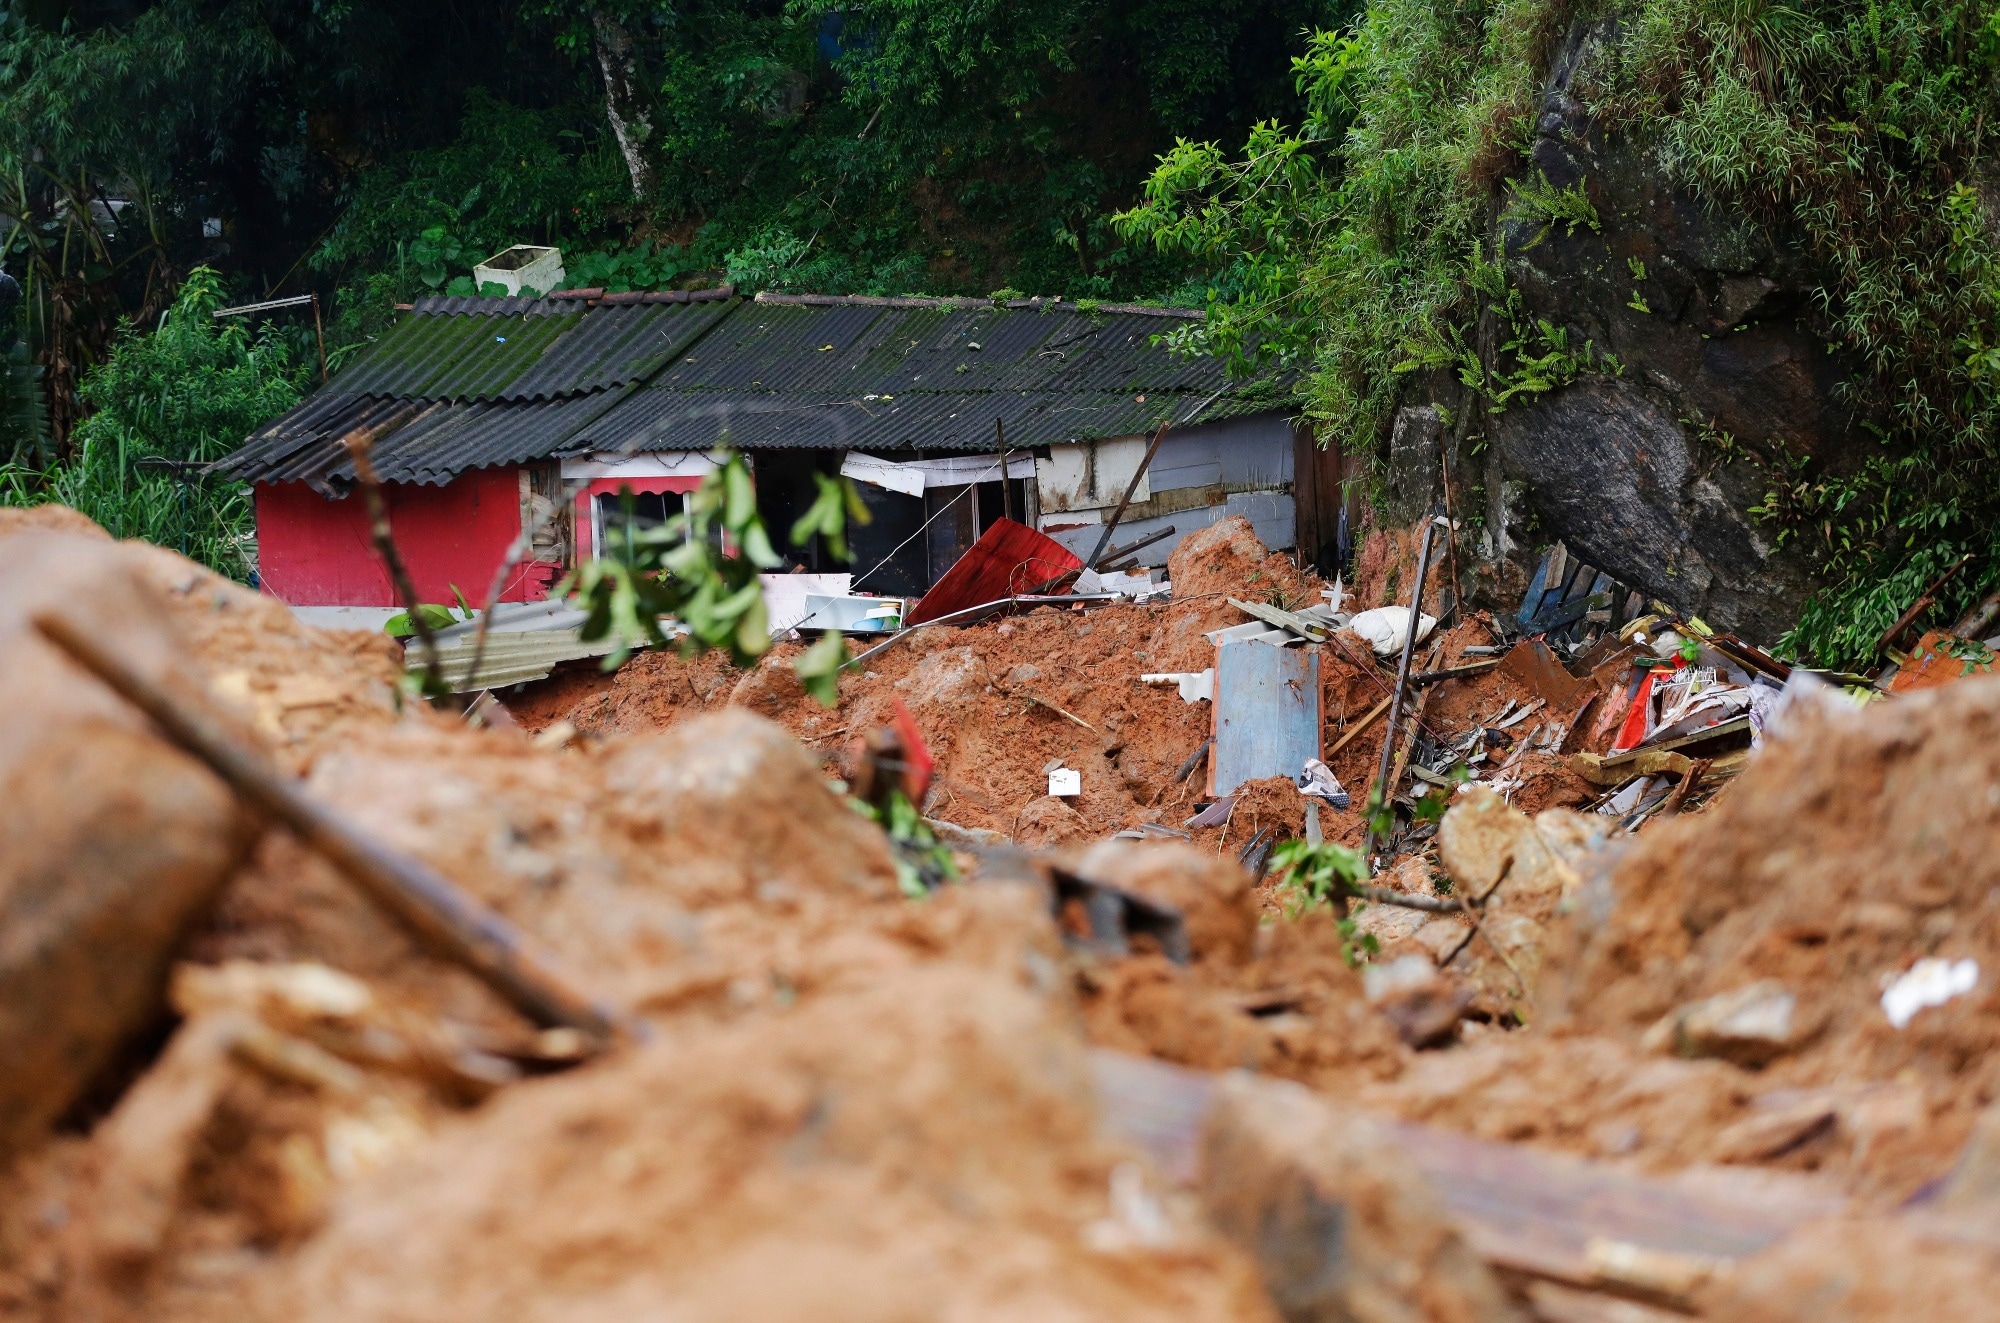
x=619 y=271
x=923 y=862
x=188 y=392
x=24 y=419
x=700 y=568
x=1350 y=244
x=433 y=616
x=1537 y=200
x=1857 y=127
x=1309 y=876
x=1312 y=875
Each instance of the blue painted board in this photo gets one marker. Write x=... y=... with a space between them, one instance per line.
x=1266 y=712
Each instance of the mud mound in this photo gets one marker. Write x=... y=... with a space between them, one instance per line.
x=1850 y=849
x=1859 y=1270
x=918 y=1150
x=1227 y=559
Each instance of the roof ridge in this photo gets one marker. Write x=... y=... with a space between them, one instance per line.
x=1055 y=304
x=560 y=301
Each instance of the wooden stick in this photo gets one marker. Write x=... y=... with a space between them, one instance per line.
x=1922 y=604
x=1407 y=899
x=1193 y=760
x=1366 y=721
x=1456 y=672
x=1070 y=716
x=358 y=445
x=1125 y=501
x=1402 y=681
x=427 y=904
x=1410 y=733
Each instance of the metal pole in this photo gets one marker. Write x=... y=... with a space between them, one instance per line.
x=319 y=330
x=1402 y=687
x=1006 y=496
x=1111 y=525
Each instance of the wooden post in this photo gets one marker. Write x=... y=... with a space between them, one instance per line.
x=1006 y=493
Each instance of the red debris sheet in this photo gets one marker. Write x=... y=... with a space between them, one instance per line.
x=1008 y=559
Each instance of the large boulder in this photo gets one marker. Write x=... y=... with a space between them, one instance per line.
x=111 y=841
x=1649 y=473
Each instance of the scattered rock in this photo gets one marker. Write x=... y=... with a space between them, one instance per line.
x=1483 y=839
x=1422 y=1005
x=1773 y=1130
x=738 y=795
x=1750 y=1026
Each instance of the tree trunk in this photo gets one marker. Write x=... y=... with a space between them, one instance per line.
x=630 y=123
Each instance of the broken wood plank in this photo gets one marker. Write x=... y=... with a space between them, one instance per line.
x=1587 y=1224
x=1529 y=1213
x=1368 y=719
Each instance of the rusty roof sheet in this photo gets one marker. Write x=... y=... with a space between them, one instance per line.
x=467 y=383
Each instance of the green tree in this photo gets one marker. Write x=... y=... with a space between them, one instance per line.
x=186 y=394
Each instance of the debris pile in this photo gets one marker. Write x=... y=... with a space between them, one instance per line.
x=1541 y=1067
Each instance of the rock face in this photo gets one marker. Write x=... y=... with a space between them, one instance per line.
x=1649 y=474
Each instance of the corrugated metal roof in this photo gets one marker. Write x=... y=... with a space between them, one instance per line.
x=453 y=356
x=663 y=420
x=525 y=356
x=464 y=384
x=474 y=306
x=614 y=346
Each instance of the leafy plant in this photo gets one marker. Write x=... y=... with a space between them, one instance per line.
x=700 y=568
x=434 y=617
x=923 y=863
x=1535 y=199
x=164 y=401
x=1315 y=874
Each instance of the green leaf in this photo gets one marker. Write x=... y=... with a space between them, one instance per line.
x=819 y=667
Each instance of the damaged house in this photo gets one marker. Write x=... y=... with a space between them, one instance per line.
x=483 y=411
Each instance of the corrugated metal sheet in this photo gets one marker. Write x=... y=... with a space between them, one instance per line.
x=471 y=383
x=614 y=346
x=542 y=355
x=431 y=442
x=886 y=351
x=453 y=357
x=661 y=420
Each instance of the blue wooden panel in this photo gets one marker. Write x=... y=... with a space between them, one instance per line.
x=1266 y=712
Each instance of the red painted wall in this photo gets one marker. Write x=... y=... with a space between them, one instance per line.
x=313 y=551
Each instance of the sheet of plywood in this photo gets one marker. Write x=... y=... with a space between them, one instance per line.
x=1092 y=474
x=1266 y=712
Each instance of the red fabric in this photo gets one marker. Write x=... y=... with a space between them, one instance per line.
x=916 y=755
x=1009 y=559
x=314 y=551
x=1635 y=719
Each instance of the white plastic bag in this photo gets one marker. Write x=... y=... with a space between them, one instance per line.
x=1385 y=627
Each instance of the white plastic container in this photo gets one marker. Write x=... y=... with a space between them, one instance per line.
x=525 y=266
x=852 y=615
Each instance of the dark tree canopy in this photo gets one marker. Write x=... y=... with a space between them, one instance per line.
x=372 y=150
